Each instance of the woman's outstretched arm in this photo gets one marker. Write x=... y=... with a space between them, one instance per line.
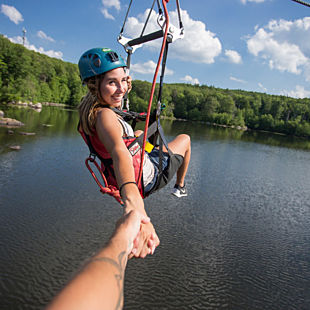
x=110 y=133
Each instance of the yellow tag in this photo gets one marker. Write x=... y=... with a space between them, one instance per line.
x=149 y=147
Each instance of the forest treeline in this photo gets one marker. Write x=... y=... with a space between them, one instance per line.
x=29 y=76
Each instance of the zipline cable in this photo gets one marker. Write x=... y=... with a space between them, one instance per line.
x=160 y=11
x=122 y=30
x=179 y=14
x=148 y=17
x=302 y=2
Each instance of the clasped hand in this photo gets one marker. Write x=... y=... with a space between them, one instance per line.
x=145 y=242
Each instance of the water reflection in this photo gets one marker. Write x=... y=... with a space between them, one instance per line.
x=54 y=120
x=199 y=130
x=49 y=122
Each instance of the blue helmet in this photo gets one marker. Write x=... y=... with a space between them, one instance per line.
x=97 y=61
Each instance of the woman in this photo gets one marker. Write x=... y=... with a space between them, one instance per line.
x=104 y=73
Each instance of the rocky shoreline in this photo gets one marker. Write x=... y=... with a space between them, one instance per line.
x=37 y=105
x=9 y=122
x=12 y=123
x=243 y=128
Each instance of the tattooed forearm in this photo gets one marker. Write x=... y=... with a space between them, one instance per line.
x=120 y=266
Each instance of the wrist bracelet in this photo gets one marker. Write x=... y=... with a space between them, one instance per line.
x=121 y=187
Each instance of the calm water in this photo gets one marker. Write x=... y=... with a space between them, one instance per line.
x=241 y=240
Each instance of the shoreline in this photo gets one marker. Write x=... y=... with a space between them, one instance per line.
x=240 y=128
x=38 y=107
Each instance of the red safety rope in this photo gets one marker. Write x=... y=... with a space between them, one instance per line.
x=153 y=90
x=107 y=189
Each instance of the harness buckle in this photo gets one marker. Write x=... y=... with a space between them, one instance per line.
x=92 y=157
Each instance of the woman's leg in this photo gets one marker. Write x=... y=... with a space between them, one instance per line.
x=181 y=145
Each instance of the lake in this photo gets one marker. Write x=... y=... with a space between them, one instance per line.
x=240 y=240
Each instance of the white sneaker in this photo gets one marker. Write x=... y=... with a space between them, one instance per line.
x=179 y=191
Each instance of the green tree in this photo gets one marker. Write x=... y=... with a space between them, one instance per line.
x=209 y=106
x=266 y=122
x=180 y=108
x=227 y=104
x=194 y=115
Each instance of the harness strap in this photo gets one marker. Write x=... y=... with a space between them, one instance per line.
x=130 y=115
x=107 y=162
x=154 y=129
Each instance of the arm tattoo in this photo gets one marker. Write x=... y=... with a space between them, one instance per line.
x=120 y=265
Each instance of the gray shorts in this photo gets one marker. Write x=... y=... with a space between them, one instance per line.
x=171 y=164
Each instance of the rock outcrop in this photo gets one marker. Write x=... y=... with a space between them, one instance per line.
x=10 y=122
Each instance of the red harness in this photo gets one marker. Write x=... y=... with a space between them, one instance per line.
x=97 y=148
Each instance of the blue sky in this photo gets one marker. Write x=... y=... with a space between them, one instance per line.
x=254 y=45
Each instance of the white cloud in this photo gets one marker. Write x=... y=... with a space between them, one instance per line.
x=284 y=45
x=108 y=4
x=198 y=45
x=112 y=4
x=106 y=14
x=257 y=1
x=147 y=68
x=190 y=80
x=232 y=78
x=299 y=92
x=44 y=36
x=261 y=86
x=233 y=56
x=13 y=14
x=50 y=53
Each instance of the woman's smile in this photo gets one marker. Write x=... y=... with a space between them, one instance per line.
x=114 y=86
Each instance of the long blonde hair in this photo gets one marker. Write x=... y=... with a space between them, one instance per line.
x=90 y=104
x=93 y=102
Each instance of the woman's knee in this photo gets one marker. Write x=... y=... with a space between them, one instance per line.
x=185 y=139
x=138 y=133
x=180 y=145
